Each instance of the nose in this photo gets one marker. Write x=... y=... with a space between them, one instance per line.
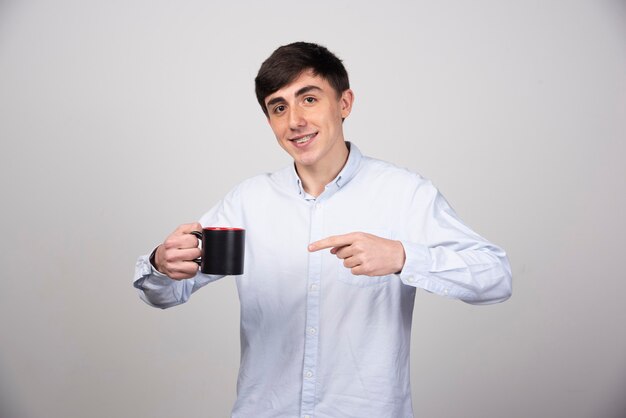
x=296 y=118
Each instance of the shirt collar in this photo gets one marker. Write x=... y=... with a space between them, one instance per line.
x=346 y=174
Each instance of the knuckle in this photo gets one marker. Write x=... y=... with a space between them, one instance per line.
x=188 y=241
x=169 y=243
x=195 y=226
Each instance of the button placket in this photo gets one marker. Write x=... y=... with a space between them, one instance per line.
x=311 y=335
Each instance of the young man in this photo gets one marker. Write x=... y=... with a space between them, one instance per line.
x=337 y=245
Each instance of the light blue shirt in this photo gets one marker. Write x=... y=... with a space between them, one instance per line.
x=317 y=341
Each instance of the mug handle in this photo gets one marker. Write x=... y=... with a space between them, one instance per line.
x=198 y=235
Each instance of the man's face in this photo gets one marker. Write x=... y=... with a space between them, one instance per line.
x=306 y=117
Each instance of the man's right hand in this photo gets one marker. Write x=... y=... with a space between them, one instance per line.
x=175 y=257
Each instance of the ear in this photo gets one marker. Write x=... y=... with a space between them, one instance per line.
x=345 y=102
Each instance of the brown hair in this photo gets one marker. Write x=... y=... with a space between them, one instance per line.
x=289 y=61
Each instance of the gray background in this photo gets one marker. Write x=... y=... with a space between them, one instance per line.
x=120 y=120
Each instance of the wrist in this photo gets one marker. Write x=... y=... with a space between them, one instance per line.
x=401 y=258
x=152 y=259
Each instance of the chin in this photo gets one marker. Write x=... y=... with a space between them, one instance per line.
x=306 y=161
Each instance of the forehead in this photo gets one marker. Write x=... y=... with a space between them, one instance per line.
x=306 y=78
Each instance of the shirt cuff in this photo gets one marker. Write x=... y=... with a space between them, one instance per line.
x=144 y=269
x=418 y=272
x=417 y=263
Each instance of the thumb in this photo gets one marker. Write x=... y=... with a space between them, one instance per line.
x=187 y=228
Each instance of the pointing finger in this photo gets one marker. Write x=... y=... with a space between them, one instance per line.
x=331 y=242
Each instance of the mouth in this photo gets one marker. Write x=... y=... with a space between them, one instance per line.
x=304 y=139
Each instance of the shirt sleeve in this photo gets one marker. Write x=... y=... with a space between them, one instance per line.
x=158 y=290
x=444 y=256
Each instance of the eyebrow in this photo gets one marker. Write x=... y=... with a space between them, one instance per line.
x=306 y=89
x=303 y=90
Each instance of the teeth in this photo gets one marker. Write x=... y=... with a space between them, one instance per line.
x=303 y=139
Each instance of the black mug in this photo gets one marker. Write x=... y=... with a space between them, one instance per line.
x=222 y=250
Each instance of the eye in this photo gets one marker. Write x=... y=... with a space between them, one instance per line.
x=279 y=109
x=310 y=100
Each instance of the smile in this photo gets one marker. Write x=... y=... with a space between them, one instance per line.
x=303 y=139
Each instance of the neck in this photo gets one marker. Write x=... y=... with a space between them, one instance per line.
x=315 y=178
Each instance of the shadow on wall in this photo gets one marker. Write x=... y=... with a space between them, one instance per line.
x=8 y=407
x=618 y=410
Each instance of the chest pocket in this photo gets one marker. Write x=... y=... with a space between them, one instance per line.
x=345 y=274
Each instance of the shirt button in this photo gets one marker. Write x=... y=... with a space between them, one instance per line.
x=307 y=416
x=318 y=205
x=312 y=331
x=314 y=287
x=308 y=374
x=445 y=292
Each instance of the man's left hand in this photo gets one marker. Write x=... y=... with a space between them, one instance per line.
x=365 y=254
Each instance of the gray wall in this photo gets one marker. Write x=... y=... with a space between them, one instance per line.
x=120 y=120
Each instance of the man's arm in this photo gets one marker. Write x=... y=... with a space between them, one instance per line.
x=479 y=276
x=453 y=261
x=170 y=275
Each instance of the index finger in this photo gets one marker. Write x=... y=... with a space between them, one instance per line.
x=331 y=242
